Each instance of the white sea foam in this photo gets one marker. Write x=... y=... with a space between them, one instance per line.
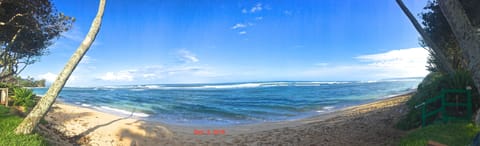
x=245 y=85
x=152 y=86
x=86 y=105
x=318 y=83
x=328 y=107
x=137 y=89
x=330 y=82
x=371 y=81
x=137 y=114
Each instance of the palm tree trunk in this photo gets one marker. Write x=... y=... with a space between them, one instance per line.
x=38 y=112
x=467 y=38
x=438 y=52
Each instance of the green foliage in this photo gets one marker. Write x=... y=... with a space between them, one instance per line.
x=4 y=110
x=29 y=82
x=8 y=123
x=430 y=87
x=27 y=29
x=455 y=134
x=23 y=97
x=438 y=29
x=10 y=87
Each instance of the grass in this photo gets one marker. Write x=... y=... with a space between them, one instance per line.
x=8 y=123
x=454 y=134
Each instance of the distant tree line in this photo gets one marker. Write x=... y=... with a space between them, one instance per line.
x=29 y=82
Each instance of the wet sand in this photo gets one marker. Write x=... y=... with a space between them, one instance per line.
x=367 y=124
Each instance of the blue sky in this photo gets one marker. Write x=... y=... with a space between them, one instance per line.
x=205 y=41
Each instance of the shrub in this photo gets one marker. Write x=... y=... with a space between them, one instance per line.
x=430 y=87
x=23 y=97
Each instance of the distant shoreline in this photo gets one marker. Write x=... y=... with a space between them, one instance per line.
x=100 y=128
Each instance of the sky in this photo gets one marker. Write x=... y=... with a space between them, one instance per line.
x=215 y=41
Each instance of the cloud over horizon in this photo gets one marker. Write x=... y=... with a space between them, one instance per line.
x=409 y=62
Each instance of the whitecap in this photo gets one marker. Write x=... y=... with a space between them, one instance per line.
x=137 y=89
x=244 y=85
x=137 y=114
x=86 y=105
x=328 y=107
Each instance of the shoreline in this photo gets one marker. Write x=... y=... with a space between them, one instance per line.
x=145 y=117
x=68 y=123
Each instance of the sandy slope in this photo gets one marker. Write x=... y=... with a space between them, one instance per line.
x=368 y=124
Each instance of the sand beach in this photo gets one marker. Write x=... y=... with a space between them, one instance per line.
x=367 y=124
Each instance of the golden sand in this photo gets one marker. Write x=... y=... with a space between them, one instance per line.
x=368 y=124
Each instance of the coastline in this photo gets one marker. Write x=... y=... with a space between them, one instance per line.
x=365 y=124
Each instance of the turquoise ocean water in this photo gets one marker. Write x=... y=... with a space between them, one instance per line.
x=231 y=103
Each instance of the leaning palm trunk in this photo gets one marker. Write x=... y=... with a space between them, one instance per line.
x=38 y=112
x=438 y=52
x=467 y=38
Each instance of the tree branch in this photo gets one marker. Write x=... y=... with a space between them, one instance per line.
x=438 y=52
x=11 y=19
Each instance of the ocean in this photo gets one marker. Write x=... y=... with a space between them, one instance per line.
x=231 y=103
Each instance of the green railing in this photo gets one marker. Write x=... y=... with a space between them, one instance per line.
x=442 y=110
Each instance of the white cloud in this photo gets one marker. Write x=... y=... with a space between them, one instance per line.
x=49 y=77
x=118 y=76
x=244 y=11
x=242 y=32
x=396 y=63
x=160 y=74
x=256 y=8
x=187 y=56
x=239 y=25
x=258 y=18
x=397 y=58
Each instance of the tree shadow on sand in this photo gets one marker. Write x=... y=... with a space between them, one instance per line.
x=145 y=133
x=81 y=139
x=54 y=133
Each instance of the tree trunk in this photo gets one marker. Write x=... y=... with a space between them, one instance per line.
x=38 y=112
x=438 y=52
x=467 y=38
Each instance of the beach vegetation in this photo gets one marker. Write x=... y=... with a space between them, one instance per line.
x=441 y=34
x=27 y=29
x=430 y=87
x=23 y=97
x=39 y=111
x=8 y=123
x=29 y=82
x=463 y=19
x=449 y=62
x=460 y=133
